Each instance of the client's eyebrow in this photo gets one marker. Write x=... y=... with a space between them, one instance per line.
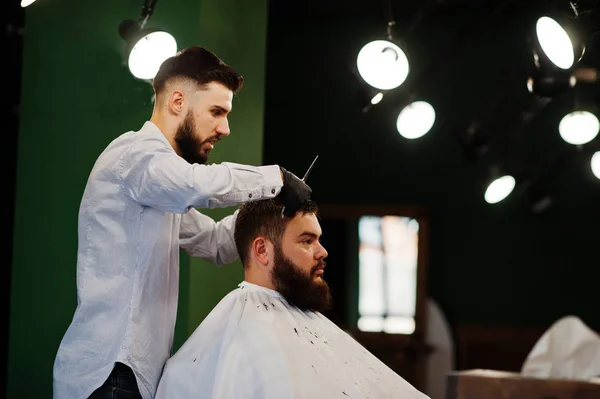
x=308 y=234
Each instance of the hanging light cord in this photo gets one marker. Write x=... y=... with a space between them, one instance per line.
x=147 y=11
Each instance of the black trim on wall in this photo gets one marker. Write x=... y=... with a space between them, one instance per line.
x=13 y=17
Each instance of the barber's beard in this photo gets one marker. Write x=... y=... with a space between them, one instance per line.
x=298 y=288
x=190 y=147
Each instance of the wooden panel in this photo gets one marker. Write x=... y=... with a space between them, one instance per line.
x=484 y=384
x=494 y=347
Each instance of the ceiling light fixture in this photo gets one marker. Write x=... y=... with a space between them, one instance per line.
x=595 y=164
x=558 y=37
x=382 y=63
x=555 y=43
x=499 y=189
x=579 y=127
x=146 y=47
x=415 y=120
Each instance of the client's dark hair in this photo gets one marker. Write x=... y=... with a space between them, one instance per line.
x=262 y=219
x=200 y=66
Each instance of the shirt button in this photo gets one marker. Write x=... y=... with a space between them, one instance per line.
x=249 y=195
x=273 y=191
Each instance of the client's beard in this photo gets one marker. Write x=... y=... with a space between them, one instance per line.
x=189 y=145
x=298 y=288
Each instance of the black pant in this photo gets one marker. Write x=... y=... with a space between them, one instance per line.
x=120 y=384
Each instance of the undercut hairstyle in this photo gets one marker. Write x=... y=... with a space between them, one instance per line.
x=262 y=219
x=197 y=65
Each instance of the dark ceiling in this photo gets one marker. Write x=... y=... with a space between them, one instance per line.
x=469 y=58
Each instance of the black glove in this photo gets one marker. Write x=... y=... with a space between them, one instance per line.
x=294 y=193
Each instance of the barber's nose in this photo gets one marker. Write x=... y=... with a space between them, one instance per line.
x=223 y=128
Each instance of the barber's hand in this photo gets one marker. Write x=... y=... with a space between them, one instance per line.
x=294 y=193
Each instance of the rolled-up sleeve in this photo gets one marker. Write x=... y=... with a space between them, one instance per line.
x=153 y=175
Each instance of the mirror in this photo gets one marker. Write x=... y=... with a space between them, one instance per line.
x=376 y=267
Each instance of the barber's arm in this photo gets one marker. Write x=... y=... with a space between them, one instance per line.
x=152 y=174
x=200 y=236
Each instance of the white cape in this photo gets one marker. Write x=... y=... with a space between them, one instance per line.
x=254 y=345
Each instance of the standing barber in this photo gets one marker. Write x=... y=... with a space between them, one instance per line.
x=137 y=210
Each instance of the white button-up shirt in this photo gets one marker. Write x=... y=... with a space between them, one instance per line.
x=137 y=210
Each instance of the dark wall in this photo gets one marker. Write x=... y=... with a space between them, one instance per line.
x=488 y=264
x=12 y=18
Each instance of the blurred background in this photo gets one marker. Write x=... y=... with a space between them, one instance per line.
x=456 y=178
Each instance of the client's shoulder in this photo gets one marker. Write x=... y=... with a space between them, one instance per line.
x=246 y=302
x=262 y=307
x=245 y=311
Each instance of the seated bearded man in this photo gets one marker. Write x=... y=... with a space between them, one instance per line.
x=267 y=339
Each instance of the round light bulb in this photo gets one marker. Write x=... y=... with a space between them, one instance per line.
x=499 y=189
x=579 y=127
x=555 y=42
x=595 y=164
x=382 y=64
x=148 y=54
x=415 y=120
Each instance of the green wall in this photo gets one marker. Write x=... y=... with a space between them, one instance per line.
x=77 y=96
x=238 y=31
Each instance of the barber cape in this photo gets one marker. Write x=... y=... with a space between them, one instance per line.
x=254 y=344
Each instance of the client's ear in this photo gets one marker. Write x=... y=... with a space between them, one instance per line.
x=262 y=251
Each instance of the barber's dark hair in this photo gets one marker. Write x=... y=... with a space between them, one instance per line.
x=262 y=219
x=199 y=65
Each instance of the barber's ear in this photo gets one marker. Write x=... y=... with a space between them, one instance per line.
x=176 y=101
